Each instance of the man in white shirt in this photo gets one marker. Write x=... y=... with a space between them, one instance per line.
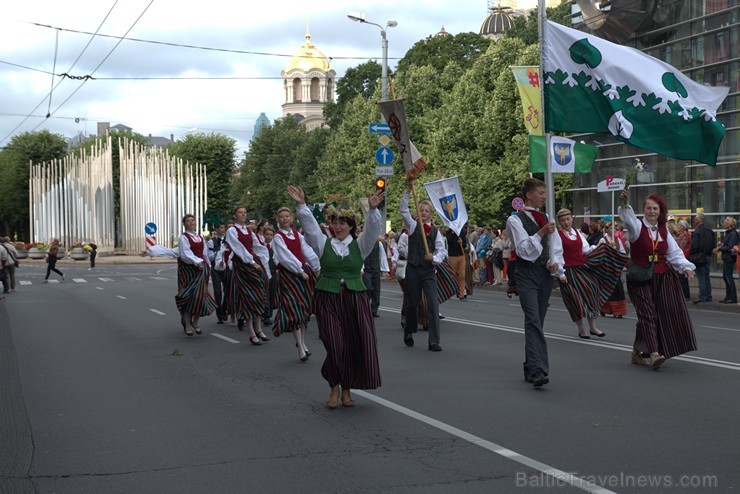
x=531 y=231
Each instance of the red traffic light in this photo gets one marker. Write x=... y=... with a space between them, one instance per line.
x=379 y=184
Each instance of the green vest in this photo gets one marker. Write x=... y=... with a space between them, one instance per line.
x=336 y=269
x=531 y=228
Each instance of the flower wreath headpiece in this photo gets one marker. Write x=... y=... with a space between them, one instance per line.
x=334 y=211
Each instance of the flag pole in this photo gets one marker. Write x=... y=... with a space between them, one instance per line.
x=550 y=201
x=418 y=215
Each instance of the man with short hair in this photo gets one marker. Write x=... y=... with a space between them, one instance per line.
x=702 y=243
x=531 y=231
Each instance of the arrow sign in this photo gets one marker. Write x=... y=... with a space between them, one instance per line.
x=384 y=155
x=150 y=228
x=380 y=128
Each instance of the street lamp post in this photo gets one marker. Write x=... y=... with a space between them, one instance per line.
x=383 y=81
x=384 y=74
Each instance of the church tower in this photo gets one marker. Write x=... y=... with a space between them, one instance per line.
x=309 y=84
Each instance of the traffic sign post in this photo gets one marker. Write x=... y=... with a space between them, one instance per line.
x=384 y=155
x=517 y=203
x=380 y=128
x=384 y=171
x=151 y=239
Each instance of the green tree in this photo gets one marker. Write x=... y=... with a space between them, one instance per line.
x=283 y=154
x=218 y=153
x=29 y=147
x=438 y=51
x=360 y=80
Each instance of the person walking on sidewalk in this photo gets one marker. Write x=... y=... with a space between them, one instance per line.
x=12 y=262
x=702 y=243
x=51 y=259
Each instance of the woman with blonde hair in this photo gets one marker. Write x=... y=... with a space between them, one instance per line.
x=729 y=257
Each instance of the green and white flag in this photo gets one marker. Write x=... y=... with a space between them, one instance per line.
x=568 y=156
x=592 y=85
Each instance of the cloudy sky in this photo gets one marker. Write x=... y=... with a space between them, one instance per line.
x=233 y=87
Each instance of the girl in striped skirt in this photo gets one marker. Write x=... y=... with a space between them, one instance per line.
x=193 y=271
x=664 y=328
x=341 y=302
x=583 y=279
x=249 y=258
x=616 y=304
x=295 y=281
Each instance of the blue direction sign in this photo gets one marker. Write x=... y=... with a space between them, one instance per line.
x=150 y=228
x=384 y=155
x=380 y=128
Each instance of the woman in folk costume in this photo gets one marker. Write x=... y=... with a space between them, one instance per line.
x=272 y=284
x=341 y=302
x=583 y=281
x=664 y=328
x=249 y=259
x=421 y=275
x=297 y=263
x=616 y=305
x=223 y=264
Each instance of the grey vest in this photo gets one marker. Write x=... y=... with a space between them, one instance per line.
x=416 y=246
x=531 y=228
x=372 y=261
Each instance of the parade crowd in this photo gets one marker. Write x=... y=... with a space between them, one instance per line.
x=258 y=277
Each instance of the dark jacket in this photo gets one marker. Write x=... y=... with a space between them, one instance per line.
x=731 y=239
x=702 y=241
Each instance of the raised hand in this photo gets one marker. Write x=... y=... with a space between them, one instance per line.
x=376 y=199
x=297 y=194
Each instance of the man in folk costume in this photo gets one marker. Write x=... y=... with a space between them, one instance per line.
x=249 y=258
x=420 y=272
x=375 y=263
x=215 y=244
x=531 y=232
x=297 y=262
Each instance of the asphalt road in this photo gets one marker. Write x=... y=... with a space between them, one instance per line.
x=101 y=392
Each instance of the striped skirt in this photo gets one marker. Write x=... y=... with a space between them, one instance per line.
x=192 y=290
x=663 y=322
x=247 y=290
x=592 y=282
x=448 y=283
x=294 y=297
x=347 y=330
x=616 y=305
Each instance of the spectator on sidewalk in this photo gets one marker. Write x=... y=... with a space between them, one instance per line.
x=702 y=244
x=728 y=248
x=684 y=242
x=12 y=262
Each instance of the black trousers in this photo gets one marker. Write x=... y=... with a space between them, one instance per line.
x=219 y=293
x=52 y=266
x=371 y=277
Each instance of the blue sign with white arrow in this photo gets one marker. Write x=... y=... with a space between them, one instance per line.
x=384 y=155
x=150 y=228
x=380 y=128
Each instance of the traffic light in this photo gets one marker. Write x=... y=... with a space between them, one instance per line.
x=379 y=184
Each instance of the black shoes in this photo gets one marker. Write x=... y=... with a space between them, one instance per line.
x=261 y=336
x=240 y=324
x=586 y=337
x=539 y=379
x=408 y=339
x=254 y=340
x=434 y=347
x=375 y=314
x=600 y=334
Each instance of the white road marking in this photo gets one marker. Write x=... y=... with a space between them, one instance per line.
x=132 y=278
x=100 y=288
x=121 y=297
x=157 y=312
x=25 y=283
x=613 y=346
x=106 y=279
x=719 y=327
x=157 y=278
x=79 y=280
x=225 y=338
x=53 y=282
x=556 y=473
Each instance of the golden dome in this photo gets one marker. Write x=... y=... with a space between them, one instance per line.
x=308 y=57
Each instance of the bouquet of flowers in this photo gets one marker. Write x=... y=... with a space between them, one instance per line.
x=630 y=173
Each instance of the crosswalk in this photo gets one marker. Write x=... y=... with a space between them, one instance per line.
x=93 y=280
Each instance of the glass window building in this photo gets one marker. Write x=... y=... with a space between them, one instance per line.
x=702 y=39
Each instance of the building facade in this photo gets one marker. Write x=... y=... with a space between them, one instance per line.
x=702 y=39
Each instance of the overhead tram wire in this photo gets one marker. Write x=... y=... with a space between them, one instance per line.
x=101 y=63
x=196 y=47
x=60 y=80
